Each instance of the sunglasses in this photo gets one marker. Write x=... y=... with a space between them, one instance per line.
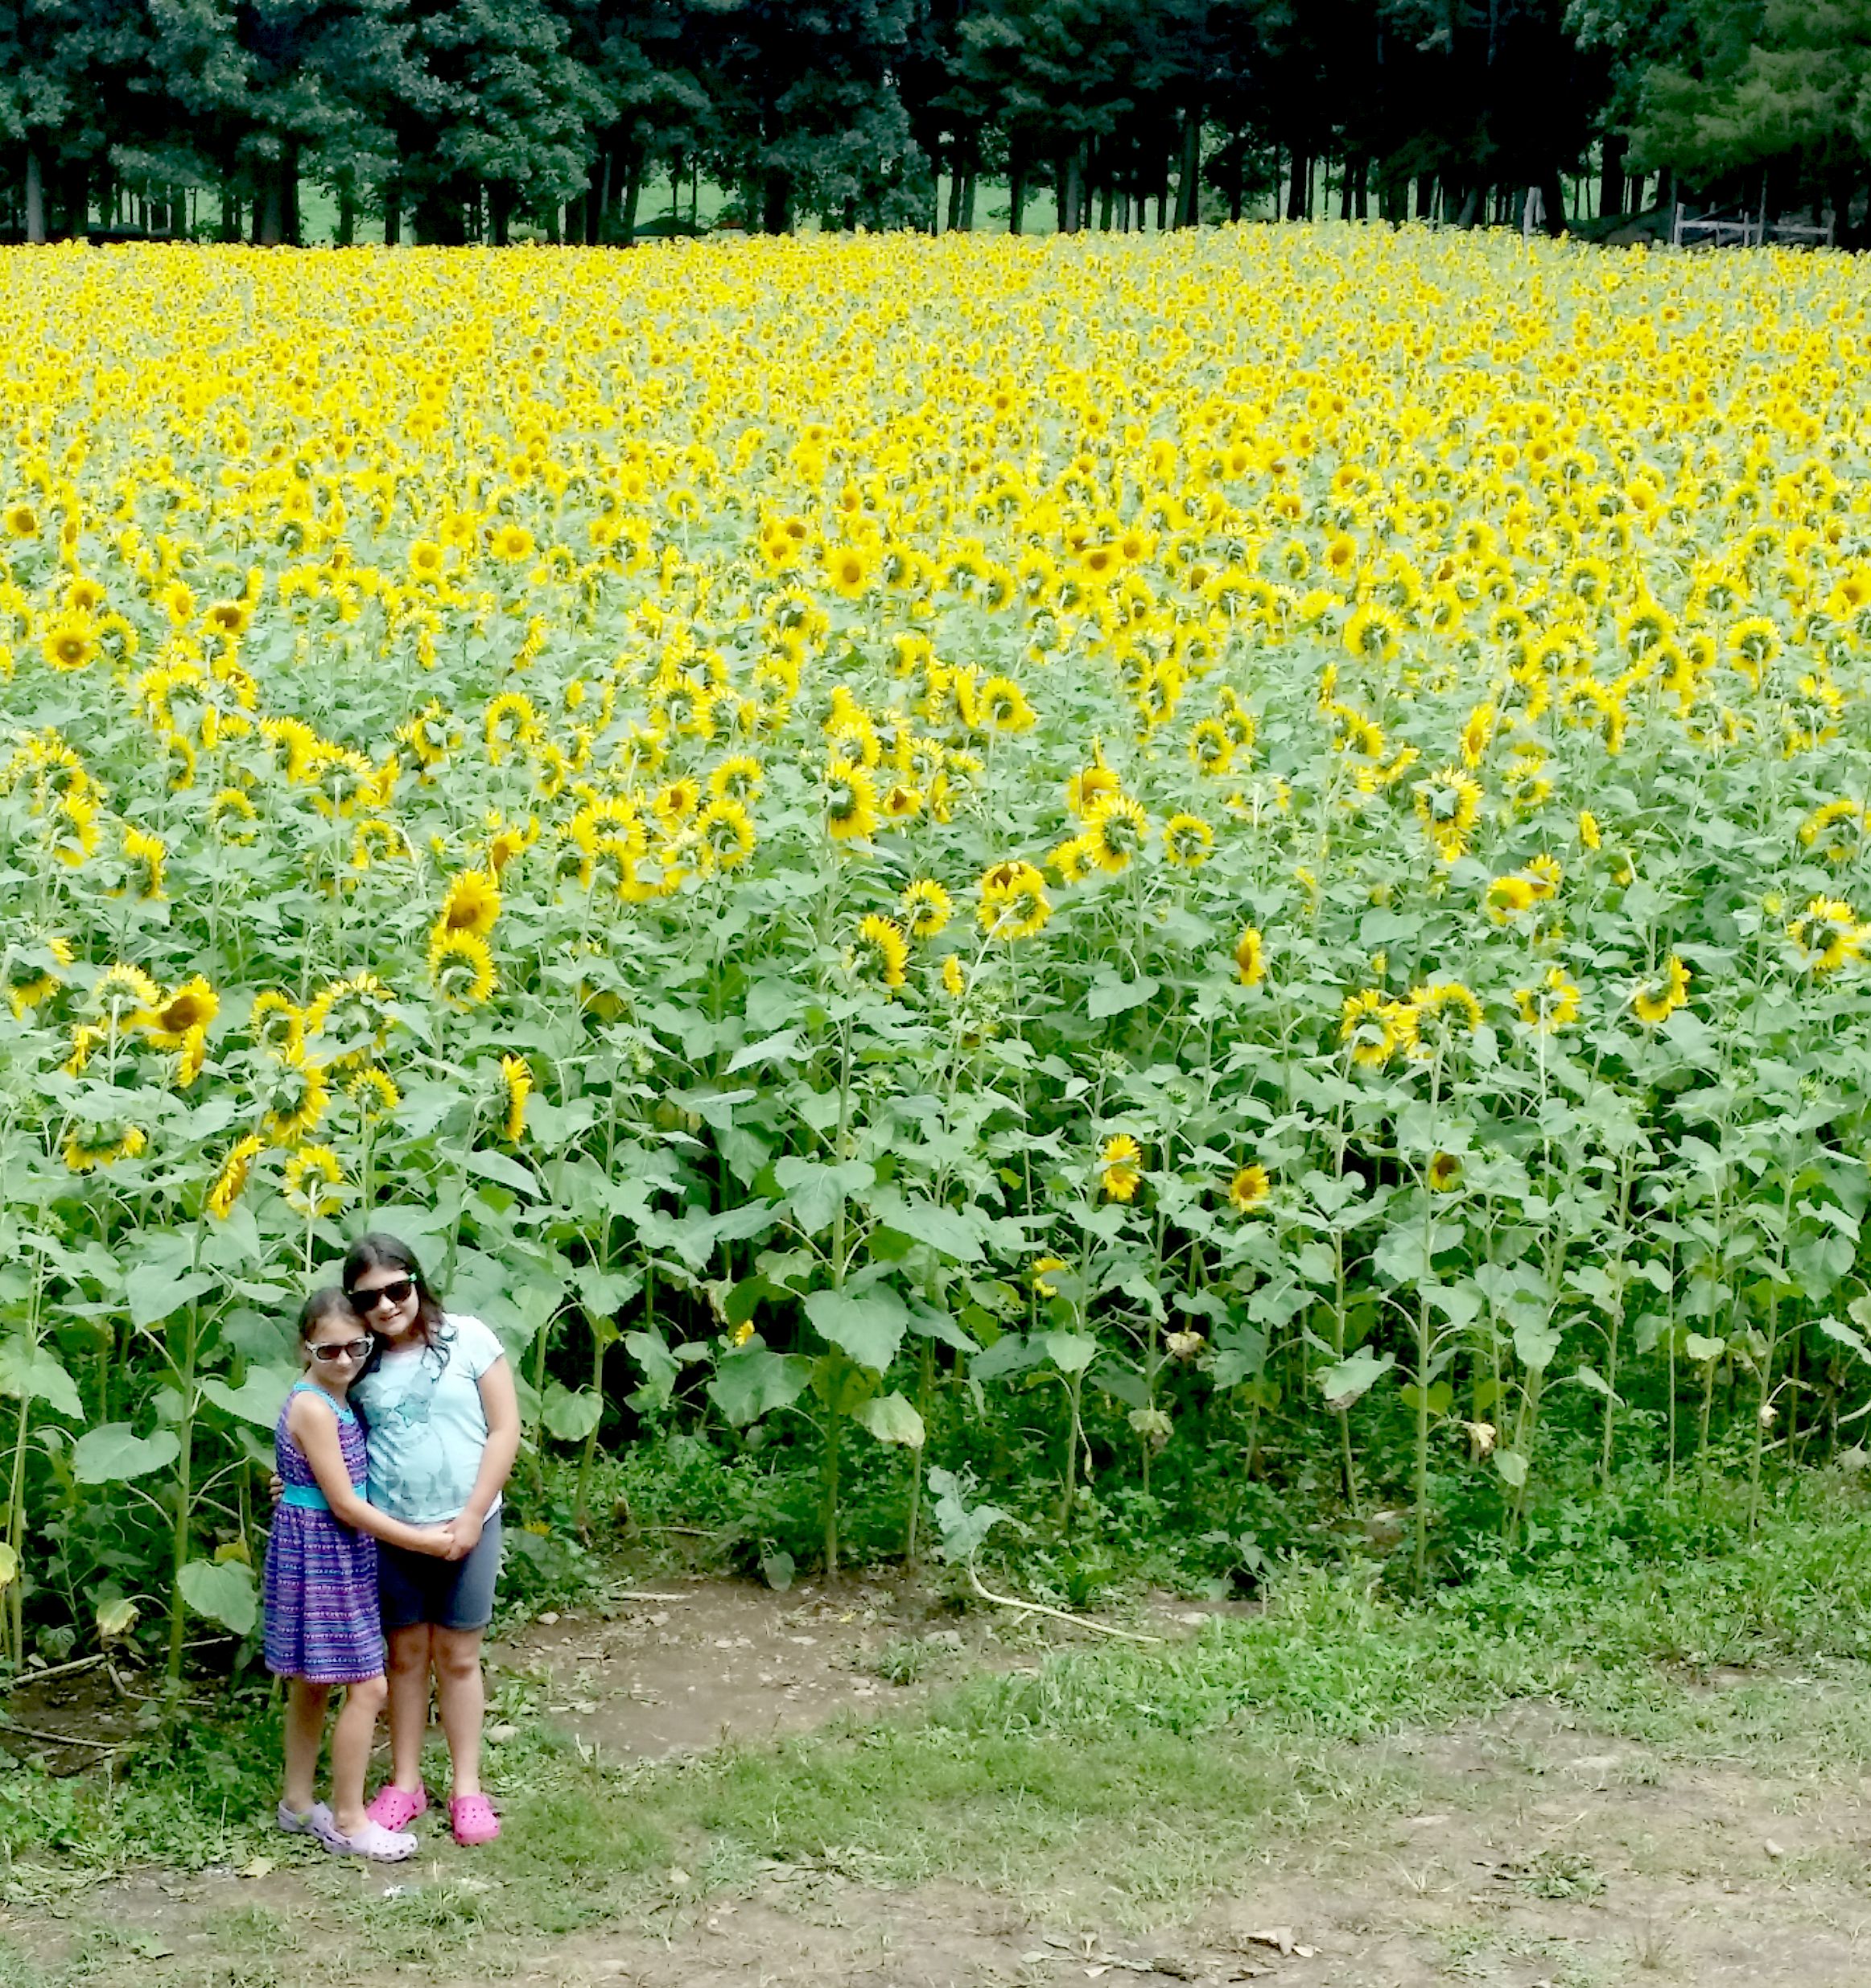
x=364 y=1303
x=332 y=1351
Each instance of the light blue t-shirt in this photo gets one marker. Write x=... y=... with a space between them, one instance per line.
x=427 y=1429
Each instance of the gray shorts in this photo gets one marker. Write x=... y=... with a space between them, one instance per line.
x=451 y=1593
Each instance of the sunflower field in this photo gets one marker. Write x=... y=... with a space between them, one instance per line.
x=1065 y=856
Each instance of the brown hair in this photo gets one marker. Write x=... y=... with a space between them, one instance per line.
x=323 y=1304
x=378 y=1252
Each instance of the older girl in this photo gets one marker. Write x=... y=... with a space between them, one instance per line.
x=322 y=1624
x=444 y=1428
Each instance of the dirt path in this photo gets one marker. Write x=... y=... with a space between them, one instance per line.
x=1523 y=1851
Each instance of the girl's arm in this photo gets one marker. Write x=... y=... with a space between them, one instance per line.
x=502 y=1407
x=314 y=1427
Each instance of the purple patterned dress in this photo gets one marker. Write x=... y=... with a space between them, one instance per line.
x=323 y=1623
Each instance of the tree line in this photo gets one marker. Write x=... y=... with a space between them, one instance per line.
x=449 y=121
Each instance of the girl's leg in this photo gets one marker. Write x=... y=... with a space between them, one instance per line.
x=463 y=1702
x=305 y=1734
x=410 y=1659
x=351 y=1739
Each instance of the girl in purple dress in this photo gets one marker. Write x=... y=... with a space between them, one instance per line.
x=323 y=1624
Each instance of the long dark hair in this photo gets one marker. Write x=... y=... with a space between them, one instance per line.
x=378 y=1252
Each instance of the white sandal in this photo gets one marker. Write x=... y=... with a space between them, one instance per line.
x=374 y=1842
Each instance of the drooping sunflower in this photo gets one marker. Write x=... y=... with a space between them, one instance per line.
x=1001 y=704
x=879 y=953
x=1655 y=1000
x=1014 y=904
x=517 y=1074
x=31 y=979
x=1507 y=897
x=1250 y=957
x=461 y=967
x=1120 y=1167
x=124 y=996
x=926 y=908
x=230 y=1183
x=191 y=1006
x=276 y=1023
x=1448 y=803
x=954 y=980
x=1550 y=1006
x=850 y=801
x=1188 y=841
x=354 y=1017
x=1369 y=1025
x=1115 y=832
x=90 y=1144
x=297 y=1093
x=724 y=831
x=145 y=857
x=1825 y=935
x=737 y=777
x=313 y=1176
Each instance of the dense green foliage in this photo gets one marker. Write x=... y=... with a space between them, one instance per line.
x=458 y=118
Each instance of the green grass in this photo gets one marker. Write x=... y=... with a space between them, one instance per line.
x=1137 y=1777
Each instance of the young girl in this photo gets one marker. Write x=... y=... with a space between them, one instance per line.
x=322 y=1626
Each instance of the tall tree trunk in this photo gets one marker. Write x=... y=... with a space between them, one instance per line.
x=230 y=215
x=35 y=197
x=1070 y=181
x=347 y=215
x=1237 y=156
x=1425 y=195
x=968 y=202
x=269 y=209
x=1188 y=177
x=1163 y=207
x=1841 y=190
x=1299 y=193
x=955 y=194
x=500 y=208
x=1361 y=191
x=776 y=202
x=1553 y=197
x=1471 y=205
x=597 y=197
x=632 y=192
x=1017 y=189
x=1105 y=201
x=393 y=215
x=1611 y=174
x=1634 y=195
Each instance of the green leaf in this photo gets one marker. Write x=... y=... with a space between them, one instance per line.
x=813 y=1191
x=1343 y=1383
x=503 y=1168
x=153 y=1292
x=222 y=1591
x=891 y=1418
x=257 y=1400
x=34 y=1373
x=1835 y=1329
x=869 y=1327
x=1113 y=996
x=1535 y=1344
x=788 y=1046
x=951 y=1232
x=1699 y=1348
x=569 y=1417
x=113 y=1453
x=753 y=1383
x=1588 y=1376
x=661 y=1369
x=1512 y=1466
x=1071 y=1352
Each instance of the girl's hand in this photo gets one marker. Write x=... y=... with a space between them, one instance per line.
x=276 y=1488
x=466 y=1528
x=439 y=1540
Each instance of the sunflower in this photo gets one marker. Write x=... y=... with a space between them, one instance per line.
x=19 y=520
x=231 y=1182
x=70 y=644
x=461 y=967
x=1115 y=832
x=1250 y=957
x=1444 y=1173
x=737 y=778
x=1120 y=1171
x=1436 y=1017
x=1013 y=901
x=124 y=996
x=1552 y=1005
x=1837 y=829
x=955 y=981
x=232 y=817
x=374 y=1093
x=1370 y=1026
x=850 y=801
x=472 y=904
x=1589 y=831
x=1249 y=1188
x=1089 y=788
x=314 y=1175
x=34 y=978
x=926 y=908
x=509 y=721
x=725 y=832
x=511 y=543
x=146 y=856
x=192 y=1006
x=354 y=1015
x=1447 y=804
x=879 y=953
x=847 y=569
x=518 y=1074
x=297 y=1093
x=1545 y=875
x=91 y=1144
x=1507 y=897
x=1002 y=704
x=276 y=1023
x=1210 y=746
x=900 y=803
x=1188 y=841
x=1825 y=935
x=1653 y=1001
x=1478 y=730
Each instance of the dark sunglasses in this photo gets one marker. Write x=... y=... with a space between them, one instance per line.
x=332 y=1351
x=364 y=1303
